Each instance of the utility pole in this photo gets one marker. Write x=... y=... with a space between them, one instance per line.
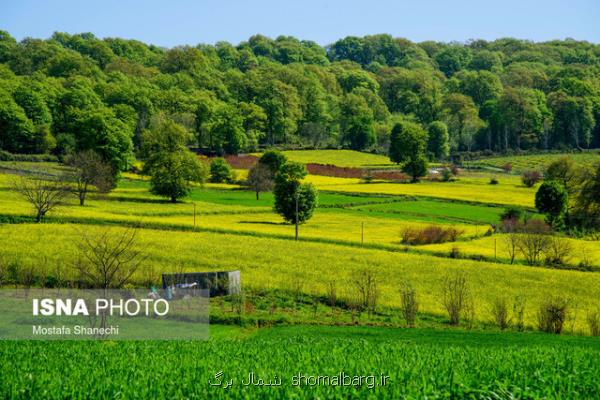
x=362 y=233
x=495 y=249
x=297 y=196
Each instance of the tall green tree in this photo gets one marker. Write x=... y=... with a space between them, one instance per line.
x=171 y=166
x=573 y=120
x=357 y=122
x=294 y=201
x=552 y=200
x=438 y=140
x=408 y=142
x=462 y=118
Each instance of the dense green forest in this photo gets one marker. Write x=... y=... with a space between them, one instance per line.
x=77 y=92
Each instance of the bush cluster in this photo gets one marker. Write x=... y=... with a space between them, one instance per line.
x=429 y=234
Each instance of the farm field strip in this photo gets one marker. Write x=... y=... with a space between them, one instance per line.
x=340 y=158
x=534 y=161
x=475 y=190
x=420 y=363
x=283 y=264
x=588 y=250
x=443 y=209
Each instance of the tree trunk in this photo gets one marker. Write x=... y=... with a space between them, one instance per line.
x=257 y=192
x=173 y=199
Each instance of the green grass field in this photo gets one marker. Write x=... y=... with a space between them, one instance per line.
x=418 y=364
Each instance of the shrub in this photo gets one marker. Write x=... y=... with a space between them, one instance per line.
x=447 y=174
x=221 y=171
x=367 y=287
x=455 y=297
x=410 y=305
x=533 y=241
x=508 y=167
x=593 y=320
x=519 y=312
x=511 y=214
x=429 y=234
x=494 y=181
x=530 y=178
x=553 y=314
x=500 y=312
x=367 y=177
x=455 y=252
x=332 y=294
x=558 y=251
x=6 y=156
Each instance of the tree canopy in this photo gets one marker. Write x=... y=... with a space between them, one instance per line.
x=71 y=93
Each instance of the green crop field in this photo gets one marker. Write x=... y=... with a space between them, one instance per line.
x=417 y=364
x=534 y=162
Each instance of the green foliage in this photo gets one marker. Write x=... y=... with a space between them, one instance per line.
x=294 y=201
x=530 y=178
x=171 y=166
x=491 y=363
x=16 y=130
x=552 y=200
x=511 y=214
x=588 y=201
x=438 y=143
x=273 y=159
x=566 y=172
x=416 y=167
x=408 y=142
x=357 y=122
x=78 y=92
x=221 y=171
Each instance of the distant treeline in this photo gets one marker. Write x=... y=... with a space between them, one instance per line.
x=77 y=92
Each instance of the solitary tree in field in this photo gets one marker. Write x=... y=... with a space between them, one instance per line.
x=407 y=147
x=260 y=179
x=171 y=166
x=89 y=169
x=294 y=201
x=43 y=193
x=552 y=200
